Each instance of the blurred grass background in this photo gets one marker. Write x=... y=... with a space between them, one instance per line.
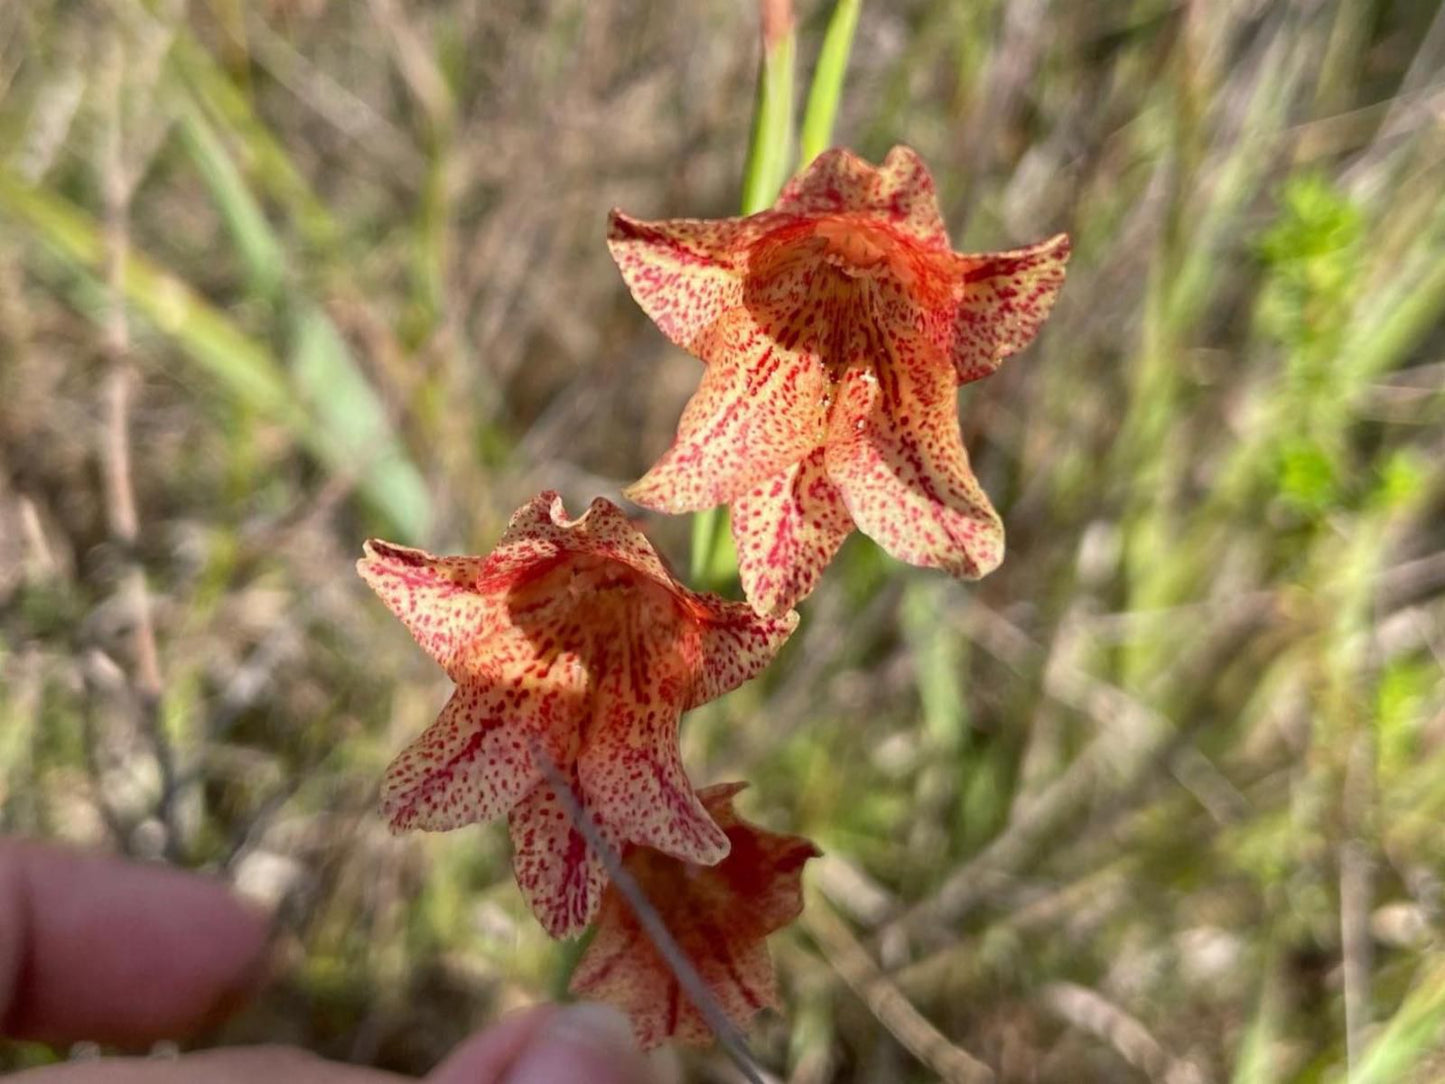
x=1159 y=801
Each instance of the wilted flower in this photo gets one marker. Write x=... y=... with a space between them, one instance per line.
x=571 y=640
x=836 y=328
x=720 y=917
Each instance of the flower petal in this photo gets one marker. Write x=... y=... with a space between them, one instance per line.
x=729 y=643
x=560 y=876
x=895 y=453
x=437 y=598
x=621 y=967
x=758 y=409
x=720 y=917
x=475 y=761
x=768 y=869
x=900 y=192
x=786 y=530
x=630 y=766
x=1005 y=298
x=684 y=272
x=540 y=536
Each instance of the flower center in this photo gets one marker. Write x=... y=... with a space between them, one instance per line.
x=588 y=578
x=586 y=602
x=852 y=246
x=840 y=286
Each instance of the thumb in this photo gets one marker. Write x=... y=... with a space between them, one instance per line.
x=576 y=1044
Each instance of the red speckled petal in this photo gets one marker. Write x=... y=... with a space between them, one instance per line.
x=630 y=767
x=786 y=531
x=759 y=408
x=895 y=453
x=451 y=605
x=437 y=598
x=720 y=917
x=475 y=761
x=1005 y=298
x=560 y=876
x=728 y=644
x=900 y=192
x=768 y=869
x=684 y=272
x=540 y=536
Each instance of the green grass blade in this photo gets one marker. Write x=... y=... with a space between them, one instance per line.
x=714 y=560
x=1401 y=315
x=244 y=367
x=265 y=161
x=345 y=427
x=1412 y=1033
x=245 y=222
x=352 y=422
x=827 y=87
x=1254 y=1064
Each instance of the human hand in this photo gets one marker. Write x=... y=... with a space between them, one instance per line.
x=100 y=949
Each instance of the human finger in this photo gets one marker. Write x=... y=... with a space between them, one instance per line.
x=271 y=1064
x=578 y=1044
x=485 y=1058
x=93 y=947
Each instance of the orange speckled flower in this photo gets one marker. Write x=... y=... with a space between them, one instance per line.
x=836 y=328
x=571 y=638
x=720 y=917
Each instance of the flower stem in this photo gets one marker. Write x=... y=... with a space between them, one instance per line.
x=769 y=163
x=769 y=155
x=827 y=87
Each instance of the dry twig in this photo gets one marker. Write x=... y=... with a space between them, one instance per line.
x=1092 y=1012
x=123 y=518
x=888 y=1003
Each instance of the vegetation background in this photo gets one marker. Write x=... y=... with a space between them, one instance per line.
x=1160 y=800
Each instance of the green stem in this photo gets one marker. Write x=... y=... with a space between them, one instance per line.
x=827 y=89
x=772 y=142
